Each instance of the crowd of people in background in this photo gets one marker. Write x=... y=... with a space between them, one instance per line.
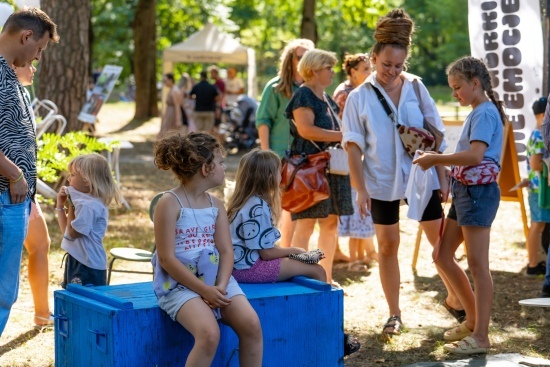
x=366 y=116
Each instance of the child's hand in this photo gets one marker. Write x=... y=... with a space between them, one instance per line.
x=214 y=297
x=424 y=160
x=62 y=197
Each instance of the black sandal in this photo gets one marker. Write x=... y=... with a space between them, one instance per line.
x=351 y=345
x=459 y=315
x=394 y=322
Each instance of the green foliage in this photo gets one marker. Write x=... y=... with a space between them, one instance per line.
x=265 y=25
x=56 y=151
x=442 y=37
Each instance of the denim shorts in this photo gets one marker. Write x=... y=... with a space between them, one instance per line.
x=538 y=214
x=474 y=205
x=78 y=273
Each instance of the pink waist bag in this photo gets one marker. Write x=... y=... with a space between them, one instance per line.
x=481 y=174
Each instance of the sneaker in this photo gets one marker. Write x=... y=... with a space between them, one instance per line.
x=545 y=292
x=535 y=271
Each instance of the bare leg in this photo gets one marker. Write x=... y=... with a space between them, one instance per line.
x=446 y=264
x=243 y=319
x=353 y=253
x=287 y=229
x=339 y=256
x=197 y=318
x=388 y=246
x=534 y=242
x=302 y=233
x=328 y=229
x=431 y=228
x=37 y=244
x=291 y=268
x=477 y=245
x=369 y=252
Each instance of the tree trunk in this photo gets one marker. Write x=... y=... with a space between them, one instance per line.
x=309 y=26
x=63 y=69
x=145 y=59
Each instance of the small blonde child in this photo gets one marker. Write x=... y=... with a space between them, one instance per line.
x=194 y=256
x=253 y=212
x=84 y=221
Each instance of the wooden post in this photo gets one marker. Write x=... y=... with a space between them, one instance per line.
x=509 y=175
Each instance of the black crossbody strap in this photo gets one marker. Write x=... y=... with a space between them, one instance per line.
x=382 y=100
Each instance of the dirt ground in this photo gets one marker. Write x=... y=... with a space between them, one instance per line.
x=514 y=329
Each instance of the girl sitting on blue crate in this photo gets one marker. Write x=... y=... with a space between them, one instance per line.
x=253 y=212
x=84 y=223
x=194 y=257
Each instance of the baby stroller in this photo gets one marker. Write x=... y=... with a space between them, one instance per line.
x=239 y=129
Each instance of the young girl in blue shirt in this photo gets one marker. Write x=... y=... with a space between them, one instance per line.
x=476 y=197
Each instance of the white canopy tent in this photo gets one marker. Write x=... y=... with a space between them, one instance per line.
x=210 y=45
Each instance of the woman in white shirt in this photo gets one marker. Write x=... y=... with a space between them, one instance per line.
x=381 y=177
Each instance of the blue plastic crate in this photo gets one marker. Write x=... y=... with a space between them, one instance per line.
x=122 y=325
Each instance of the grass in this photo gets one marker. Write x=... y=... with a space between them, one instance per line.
x=514 y=329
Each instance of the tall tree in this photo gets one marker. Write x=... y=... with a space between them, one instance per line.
x=145 y=59
x=309 y=26
x=63 y=69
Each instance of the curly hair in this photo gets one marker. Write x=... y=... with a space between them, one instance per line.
x=286 y=70
x=469 y=68
x=257 y=175
x=352 y=61
x=394 y=29
x=186 y=154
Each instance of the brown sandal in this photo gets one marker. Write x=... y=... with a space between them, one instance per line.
x=393 y=326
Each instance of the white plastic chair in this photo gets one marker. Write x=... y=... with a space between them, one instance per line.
x=46 y=123
x=43 y=108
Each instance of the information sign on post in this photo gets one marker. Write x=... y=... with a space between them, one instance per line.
x=102 y=89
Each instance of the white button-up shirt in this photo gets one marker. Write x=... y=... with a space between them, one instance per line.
x=386 y=164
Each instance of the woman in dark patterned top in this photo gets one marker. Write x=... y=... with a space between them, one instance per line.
x=316 y=128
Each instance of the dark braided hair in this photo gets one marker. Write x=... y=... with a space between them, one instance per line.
x=393 y=29
x=186 y=154
x=469 y=68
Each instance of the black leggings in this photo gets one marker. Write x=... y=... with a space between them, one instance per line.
x=387 y=212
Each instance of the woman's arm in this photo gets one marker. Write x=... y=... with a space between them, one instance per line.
x=357 y=179
x=305 y=123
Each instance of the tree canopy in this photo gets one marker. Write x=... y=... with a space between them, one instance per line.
x=342 y=26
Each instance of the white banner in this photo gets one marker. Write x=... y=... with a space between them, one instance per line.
x=507 y=34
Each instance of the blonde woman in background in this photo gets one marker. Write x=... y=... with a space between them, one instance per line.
x=360 y=229
x=315 y=128
x=273 y=126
